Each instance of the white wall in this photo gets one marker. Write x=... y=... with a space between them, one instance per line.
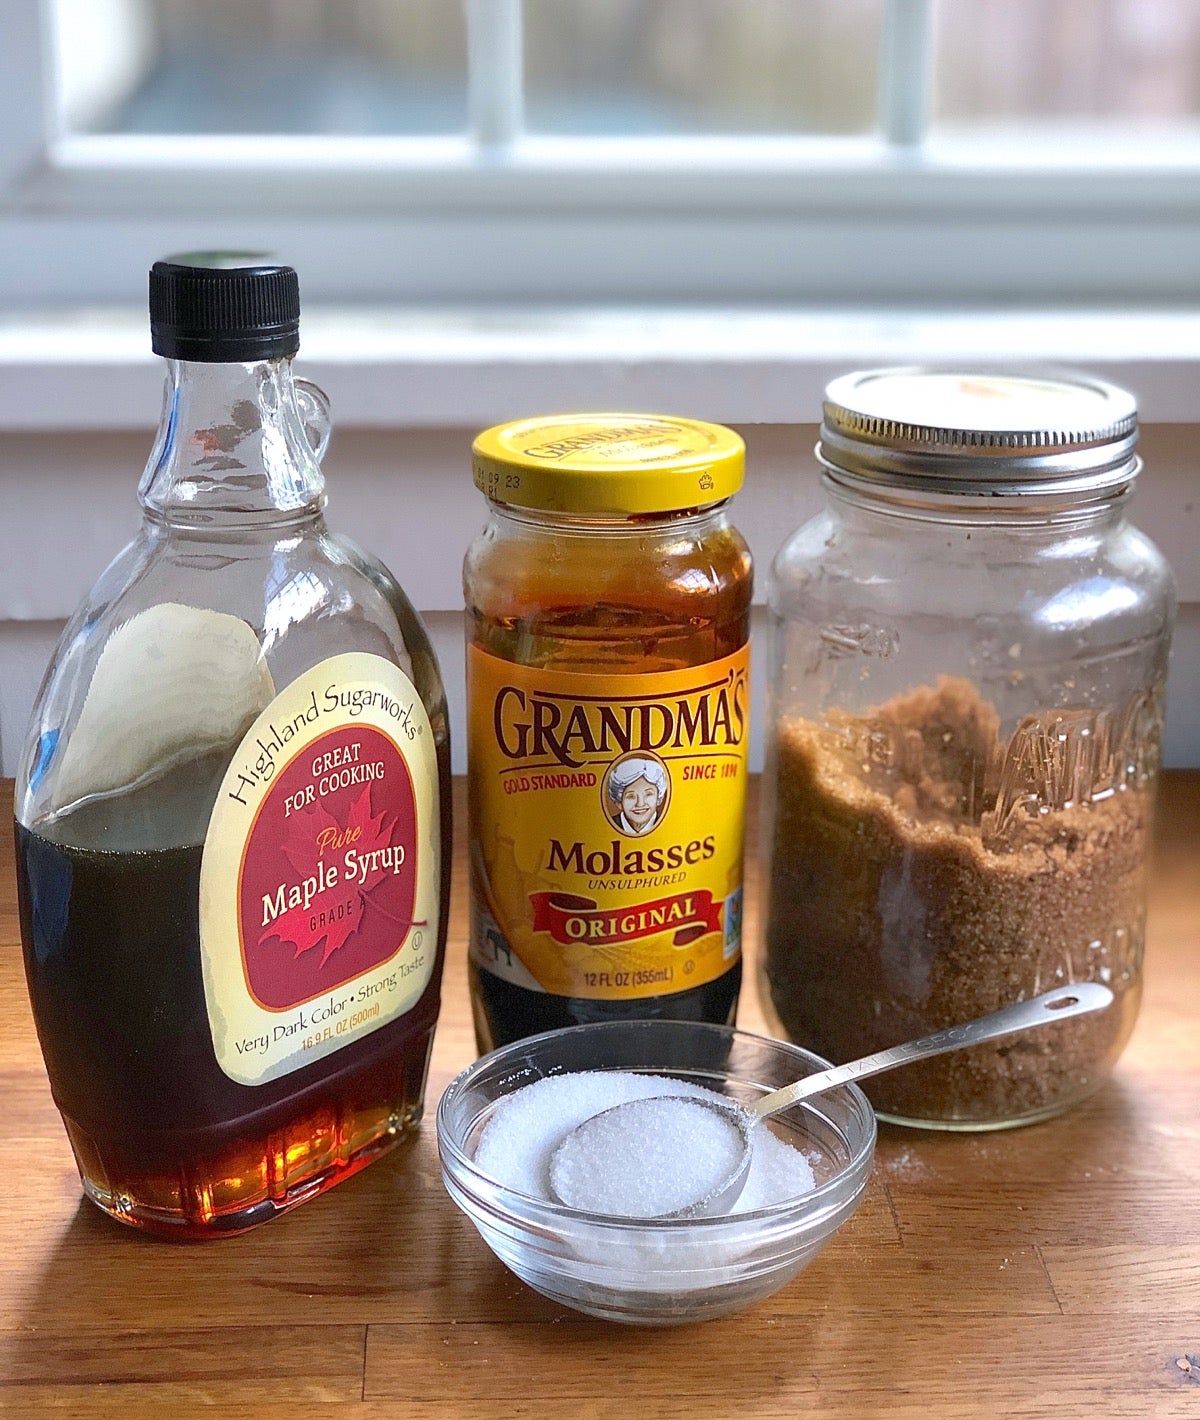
x=68 y=505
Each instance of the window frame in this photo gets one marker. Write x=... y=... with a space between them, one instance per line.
x=498 y=214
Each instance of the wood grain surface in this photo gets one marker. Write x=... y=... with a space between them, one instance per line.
x=1048 y=1271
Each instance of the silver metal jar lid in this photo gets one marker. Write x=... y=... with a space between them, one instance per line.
x=965 y=435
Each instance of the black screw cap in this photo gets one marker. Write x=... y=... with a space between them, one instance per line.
x=223 y=307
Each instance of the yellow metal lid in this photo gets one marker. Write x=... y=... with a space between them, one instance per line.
x=608 y=463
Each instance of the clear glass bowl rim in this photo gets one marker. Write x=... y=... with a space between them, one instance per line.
x=828 y=1196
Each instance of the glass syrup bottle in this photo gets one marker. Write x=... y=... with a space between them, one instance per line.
x=233 y=806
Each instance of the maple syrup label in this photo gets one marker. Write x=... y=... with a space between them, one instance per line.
x=319 y=879
x=606 y=824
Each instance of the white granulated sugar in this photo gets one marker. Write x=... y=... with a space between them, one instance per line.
x=682 y=1153
x=646 y=1158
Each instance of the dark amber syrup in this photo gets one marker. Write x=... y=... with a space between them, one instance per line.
x=164 y=1139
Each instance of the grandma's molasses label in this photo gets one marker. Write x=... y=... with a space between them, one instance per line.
x=319 y=880
x=607 y=825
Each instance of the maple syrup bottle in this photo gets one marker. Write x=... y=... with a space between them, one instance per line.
x=232 y=807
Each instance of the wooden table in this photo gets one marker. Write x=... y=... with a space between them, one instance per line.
x=1047 y=1271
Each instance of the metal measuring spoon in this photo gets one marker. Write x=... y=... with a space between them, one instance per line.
x=564 y=1174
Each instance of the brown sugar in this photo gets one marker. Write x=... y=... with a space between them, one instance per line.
x=912 y=889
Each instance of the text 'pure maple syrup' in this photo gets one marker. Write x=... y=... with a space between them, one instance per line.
x=608 y=723
x=233 y=808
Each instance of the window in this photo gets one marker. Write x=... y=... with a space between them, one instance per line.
x=175 y=67
x=609 y=150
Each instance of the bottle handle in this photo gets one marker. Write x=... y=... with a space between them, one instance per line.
x=313 y=403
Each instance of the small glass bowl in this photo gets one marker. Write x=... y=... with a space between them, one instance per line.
x=659 y=1274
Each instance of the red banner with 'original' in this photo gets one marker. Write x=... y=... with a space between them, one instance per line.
x=570 y=919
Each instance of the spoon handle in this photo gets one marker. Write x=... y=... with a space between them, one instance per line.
x=1056 y=1005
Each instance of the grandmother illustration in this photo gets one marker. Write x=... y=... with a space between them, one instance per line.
x=637 y=790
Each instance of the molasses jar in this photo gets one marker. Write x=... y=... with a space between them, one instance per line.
x=969 y=648
x=608 y=602
x=232 y=807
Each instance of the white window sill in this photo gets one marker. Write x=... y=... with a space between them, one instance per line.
x=441 y=373
x=454 y=367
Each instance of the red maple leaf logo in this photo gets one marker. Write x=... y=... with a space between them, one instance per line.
x=316 y=839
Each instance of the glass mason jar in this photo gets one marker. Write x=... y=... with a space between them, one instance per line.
x=232 y=807
x=608 y=605
x=969 y=648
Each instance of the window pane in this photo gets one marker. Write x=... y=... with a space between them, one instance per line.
x=1070 y=60
x=263 y=66
x=708 y=66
